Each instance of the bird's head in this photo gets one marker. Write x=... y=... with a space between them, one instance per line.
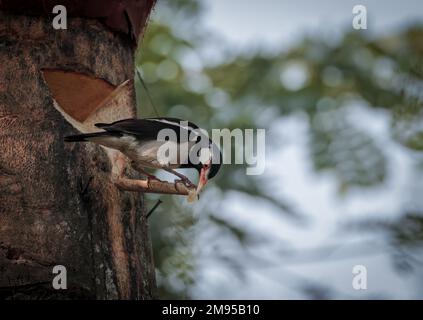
x=209 y=166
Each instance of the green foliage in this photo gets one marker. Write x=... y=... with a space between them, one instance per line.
x=382 y=74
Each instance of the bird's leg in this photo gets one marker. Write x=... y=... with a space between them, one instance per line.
x=142 y=171
x=183 y=178
x=148 y=175
x=153 y=186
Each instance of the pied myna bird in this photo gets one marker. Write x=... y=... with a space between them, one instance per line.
x=138 y=140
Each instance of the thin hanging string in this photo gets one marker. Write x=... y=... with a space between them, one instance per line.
x=159 y=202
x=157 y=114
x=146 y=91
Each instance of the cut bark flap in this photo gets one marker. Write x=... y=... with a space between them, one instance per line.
x=116 y=106
x=77 y=94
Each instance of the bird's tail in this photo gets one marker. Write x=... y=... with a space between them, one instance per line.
x=102 y=125
x=85 y=137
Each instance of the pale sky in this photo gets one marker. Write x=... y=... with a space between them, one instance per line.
x=244 y=25
x=280 y=22
x=277 y=24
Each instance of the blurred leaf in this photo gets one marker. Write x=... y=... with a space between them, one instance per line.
x=239 y=234
x=351 y=154
x=312 y=78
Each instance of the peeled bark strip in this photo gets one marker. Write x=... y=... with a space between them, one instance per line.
x=120 y=163
x=152 y=186
x=58 y=204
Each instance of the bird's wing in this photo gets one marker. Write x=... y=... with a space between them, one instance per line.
x=149 y=128
x=175 y=122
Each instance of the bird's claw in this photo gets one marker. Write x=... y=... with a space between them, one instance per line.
x=186 y=182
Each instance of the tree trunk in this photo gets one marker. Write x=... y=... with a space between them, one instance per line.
x=58 y=205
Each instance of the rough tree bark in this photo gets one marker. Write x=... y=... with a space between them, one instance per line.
x=58 y=205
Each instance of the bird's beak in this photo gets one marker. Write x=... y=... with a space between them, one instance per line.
x=202 y=181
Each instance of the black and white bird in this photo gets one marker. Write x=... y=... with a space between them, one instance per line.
x=139 y=140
